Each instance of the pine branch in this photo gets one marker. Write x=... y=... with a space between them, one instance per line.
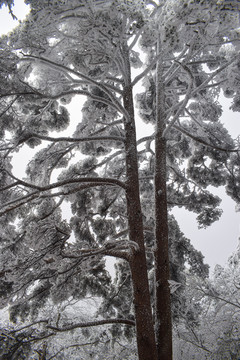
x=72 y=139
x=146 y=71
x=215 y=73
x=92 y=323
x=92 y=180
x=204 y=85
x=146 y=138
x=103 y=87
x=35 y=92
x=202 y=141
x=168 y=75
x=20 y=201
x=14 y=204
x=137 y=36
x=197 y=345
x=122 y=249
x=184 y=102
x=9 y=106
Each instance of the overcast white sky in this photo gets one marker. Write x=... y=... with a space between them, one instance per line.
x=221 y=239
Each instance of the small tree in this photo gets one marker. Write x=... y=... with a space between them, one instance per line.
x=117 y=191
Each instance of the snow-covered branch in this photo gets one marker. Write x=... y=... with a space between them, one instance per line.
x=92 y=323
x=118 y=248
x=201 y=87
x=202 y=141
x=92 y=180
x=184 y=102
x=72 y=139
x=214 y=74
x=215 y=295
x=89 y=80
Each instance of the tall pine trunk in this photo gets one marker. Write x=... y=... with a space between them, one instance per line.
x=163 y=318
x=143 y=311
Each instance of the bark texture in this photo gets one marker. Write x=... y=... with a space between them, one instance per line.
x=163 y=321
x=143 y=311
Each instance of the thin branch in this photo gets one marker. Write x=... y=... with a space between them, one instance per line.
x=89 y=182
x=12 y=205
x=168 y=75
x=215 y=296
x=74 y=92
x=16 y=203
x=197 y=345
x=146 y=138
x=29 y=325
x=133 y=43
x=72 y=346
x=9 y=106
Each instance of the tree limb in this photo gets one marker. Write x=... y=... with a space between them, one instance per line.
x=92 y=323
x=101 y=86
x=72 y=139
x=201 y=141
x=92 y=180
x=184 y=102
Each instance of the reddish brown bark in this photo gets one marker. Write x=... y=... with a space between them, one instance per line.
x=143 y=312
x=163 y=321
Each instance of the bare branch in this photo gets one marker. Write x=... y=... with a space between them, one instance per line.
x=72 y=346
x=29 y=325
x=146 y=138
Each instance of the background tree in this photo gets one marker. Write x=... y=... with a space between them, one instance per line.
x=35 y=340
x=216 y=333
x=118 y=192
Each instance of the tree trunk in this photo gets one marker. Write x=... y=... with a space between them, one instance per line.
x=163 y=321
x=143 y=311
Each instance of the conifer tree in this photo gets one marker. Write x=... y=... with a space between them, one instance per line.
x=119 y=188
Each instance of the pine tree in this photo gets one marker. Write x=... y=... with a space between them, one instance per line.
x=118 y=193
